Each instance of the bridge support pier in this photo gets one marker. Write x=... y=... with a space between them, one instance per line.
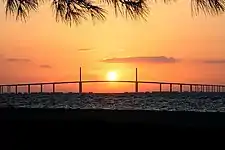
x=80 y=87
x=28 y=90
x=136 y=81
x=136 y=87
x=41 y=88
x=190 y=88
x=181 y=88
x=16 y=89
x=80 y=82
x=53 y=88
x=160 y=87
x=171 y=87
x=0 y=89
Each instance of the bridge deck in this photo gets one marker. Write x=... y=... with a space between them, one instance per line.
x=107 y=81
x=197 y=87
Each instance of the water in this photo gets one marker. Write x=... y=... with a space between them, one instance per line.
x=210 y=102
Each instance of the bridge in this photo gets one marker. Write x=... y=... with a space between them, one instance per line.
x=192 y=87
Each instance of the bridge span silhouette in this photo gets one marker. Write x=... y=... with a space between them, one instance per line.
x=193 y=87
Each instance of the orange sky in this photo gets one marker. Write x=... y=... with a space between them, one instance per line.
x=42 y=50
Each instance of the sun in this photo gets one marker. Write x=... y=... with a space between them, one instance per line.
x=112 y=76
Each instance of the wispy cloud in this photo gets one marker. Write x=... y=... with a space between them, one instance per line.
x=85 y=49
x=150 y=59
x=221 y=61
x=18 y=60
x=46 y=66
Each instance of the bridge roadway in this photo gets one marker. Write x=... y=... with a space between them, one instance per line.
x=192 y=87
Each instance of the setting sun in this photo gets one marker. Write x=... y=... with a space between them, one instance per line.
x=111 y=76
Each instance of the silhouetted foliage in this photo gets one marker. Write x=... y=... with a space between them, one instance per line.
x=73 y=11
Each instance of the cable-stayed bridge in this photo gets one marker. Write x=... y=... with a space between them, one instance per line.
x=7 y=88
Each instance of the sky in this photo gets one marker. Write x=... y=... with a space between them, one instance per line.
x=172 y=46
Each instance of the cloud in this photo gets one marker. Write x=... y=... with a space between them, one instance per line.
x=221 y=61
x=85 y=49
x=152 y=59
x=46 y=66
x=18 y=60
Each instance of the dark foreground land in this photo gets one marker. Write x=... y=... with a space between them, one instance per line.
x=92 y=124
x=115 y=117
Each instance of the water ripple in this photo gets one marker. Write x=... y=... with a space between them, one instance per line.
x=212 y=102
